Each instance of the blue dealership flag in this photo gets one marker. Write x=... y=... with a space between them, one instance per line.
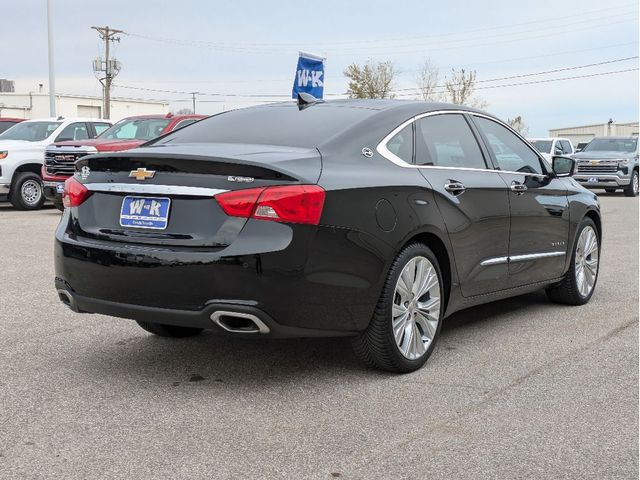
x=309 y=75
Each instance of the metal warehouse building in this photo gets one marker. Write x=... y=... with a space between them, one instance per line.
x=36 y=105
x=586 y=132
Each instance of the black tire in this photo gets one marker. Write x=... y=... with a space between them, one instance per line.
x=173 y=331
x=631 y=190
x=31 y=197
x=376 y=346
x=610 y=190
x=566 y=291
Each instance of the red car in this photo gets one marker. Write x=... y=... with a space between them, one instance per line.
x=7 y=122
x=131 y=132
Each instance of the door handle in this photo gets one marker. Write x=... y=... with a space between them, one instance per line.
x=455 y=188
x=518 y=188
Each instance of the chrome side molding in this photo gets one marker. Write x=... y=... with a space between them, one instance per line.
x=520 y=258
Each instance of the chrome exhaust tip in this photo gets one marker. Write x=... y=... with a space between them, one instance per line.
x=238 y=322
x=66 y=298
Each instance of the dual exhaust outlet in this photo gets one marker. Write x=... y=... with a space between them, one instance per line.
x=234 y=322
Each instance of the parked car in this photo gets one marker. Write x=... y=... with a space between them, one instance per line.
x=581 y=146
x=610 y=163
x=22 y=152
x=7 y=122
x=126 y=134
x=371 y=219
x=549 y=147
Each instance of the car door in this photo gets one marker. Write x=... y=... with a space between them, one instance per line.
x=538 y=205
x=472 y=199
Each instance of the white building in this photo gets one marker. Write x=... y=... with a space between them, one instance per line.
x=36 y=105
x=586 y=132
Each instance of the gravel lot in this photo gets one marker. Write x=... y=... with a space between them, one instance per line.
x=516 y=389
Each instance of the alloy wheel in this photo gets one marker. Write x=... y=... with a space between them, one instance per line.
x=586 y=261
x=416 y=308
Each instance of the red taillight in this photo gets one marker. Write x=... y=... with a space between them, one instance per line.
x=74 y=193
x=290 y=203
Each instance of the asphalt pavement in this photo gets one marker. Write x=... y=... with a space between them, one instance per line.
x=520 y=388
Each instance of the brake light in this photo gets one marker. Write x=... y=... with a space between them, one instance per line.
x=290 y=203
x=74 y=193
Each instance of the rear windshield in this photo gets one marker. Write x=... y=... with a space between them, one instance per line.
x=624 y=145
x=136 y=129
x=272 y=125
x=543 y=146
x=30 y=131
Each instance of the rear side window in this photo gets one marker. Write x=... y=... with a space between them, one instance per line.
x=447 y=141
x=401 y=145
x=511 y=153
x=100 y=127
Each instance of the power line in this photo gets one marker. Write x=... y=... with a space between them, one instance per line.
x=415 y=90
x=534 y=74
x=534 y=82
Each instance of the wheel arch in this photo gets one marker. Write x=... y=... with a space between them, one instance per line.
x=29 y=167
x=593 y=215
x=439 y=248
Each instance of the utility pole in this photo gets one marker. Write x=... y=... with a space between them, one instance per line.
x=193 y=101
x=110 y=67
x=52 y=76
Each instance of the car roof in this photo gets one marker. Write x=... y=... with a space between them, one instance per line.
x=68 y=119
x=11 y=119
x=165 y=116
x=630 y=137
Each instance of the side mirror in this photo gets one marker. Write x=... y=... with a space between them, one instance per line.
x=563 y=166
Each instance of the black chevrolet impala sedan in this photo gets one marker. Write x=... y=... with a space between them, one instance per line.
x=370 y=219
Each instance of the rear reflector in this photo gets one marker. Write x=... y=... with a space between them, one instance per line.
x=74 y=193
x=287 y=203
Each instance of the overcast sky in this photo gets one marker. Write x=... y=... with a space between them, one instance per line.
x=248 y=47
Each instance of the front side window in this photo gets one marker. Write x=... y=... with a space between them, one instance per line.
x=136 y=129
x=73 y=131
x=447 y=141
x=511 y=153
x=401 y=145
x=30 y=131
x=566 y=146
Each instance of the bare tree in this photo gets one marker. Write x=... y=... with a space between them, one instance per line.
x=460 y=86
x=184 y=111
x=518 y=125
x=427 y=80
x=371 y=80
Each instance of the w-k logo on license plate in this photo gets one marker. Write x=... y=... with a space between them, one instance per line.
x=145 y=212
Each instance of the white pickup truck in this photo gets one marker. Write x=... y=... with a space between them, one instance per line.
x=549 y=147
x=22 y=155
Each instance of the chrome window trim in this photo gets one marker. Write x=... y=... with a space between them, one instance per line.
x=382 y=149
x=154 y=189
x=520 y=258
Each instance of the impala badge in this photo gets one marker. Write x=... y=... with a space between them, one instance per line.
x=142 y=174
x=234 y=178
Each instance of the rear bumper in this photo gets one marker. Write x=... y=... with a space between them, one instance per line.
x=315 y=282
x=203 y=318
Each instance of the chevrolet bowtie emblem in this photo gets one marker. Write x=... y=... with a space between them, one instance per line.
x=142 y=174
x=594 y=162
